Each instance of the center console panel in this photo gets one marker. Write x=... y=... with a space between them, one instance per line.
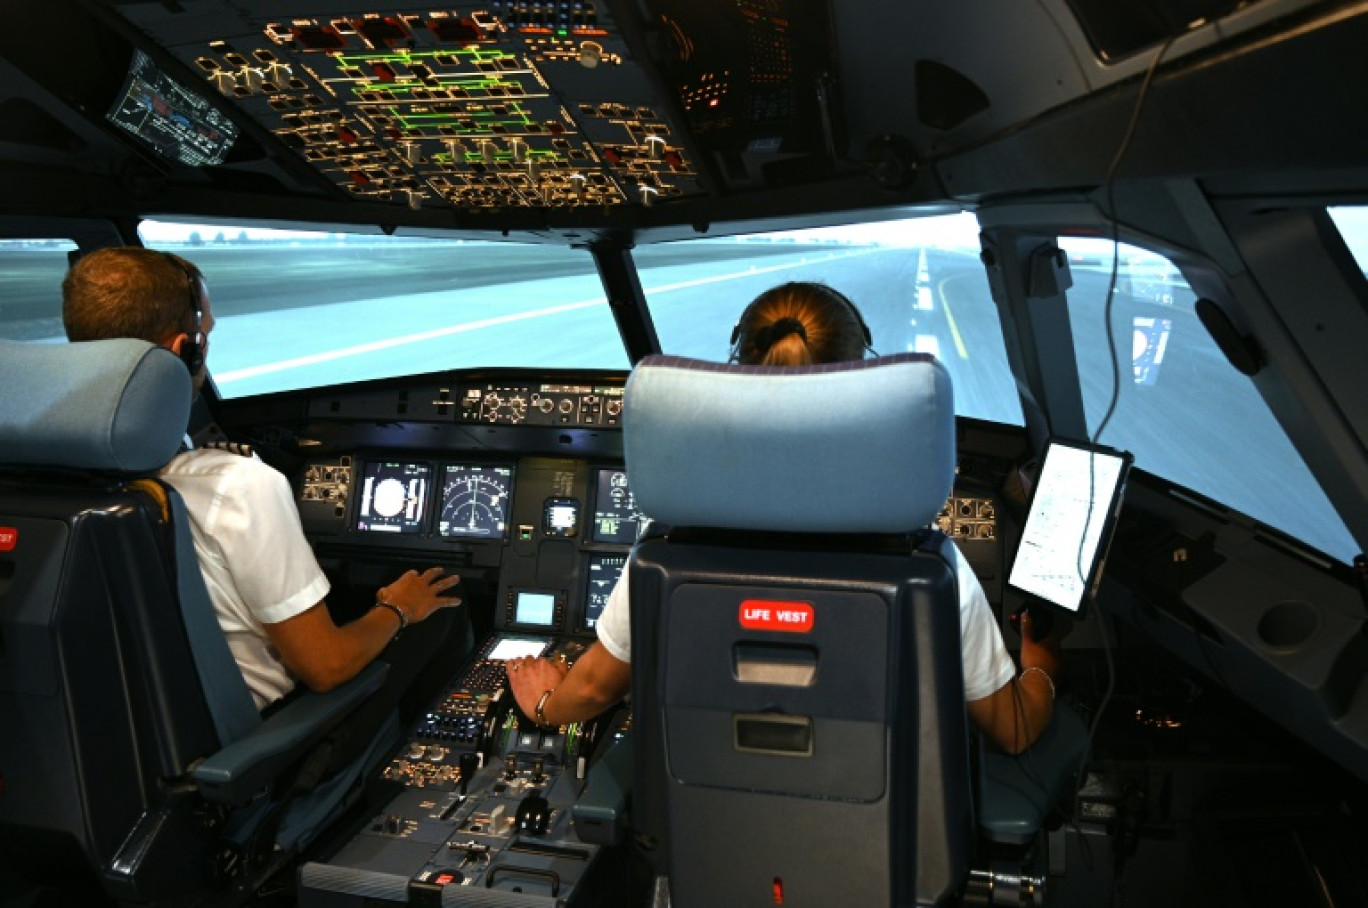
x=481 y=804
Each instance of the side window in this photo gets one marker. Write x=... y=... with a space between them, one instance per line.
x=31 y=273
x=1182 y=410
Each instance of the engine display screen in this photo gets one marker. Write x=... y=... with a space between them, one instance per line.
x=394 y=496
x=602 y=575
x=616 y=518
x=475 y=501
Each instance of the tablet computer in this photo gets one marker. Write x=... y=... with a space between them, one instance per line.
x=1068 y=527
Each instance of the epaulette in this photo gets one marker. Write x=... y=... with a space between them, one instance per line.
x=232 y=447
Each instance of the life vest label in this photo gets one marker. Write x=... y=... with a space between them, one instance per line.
x=771 y=615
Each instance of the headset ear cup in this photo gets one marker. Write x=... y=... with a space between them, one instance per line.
x=192 y=354
x=864 y=328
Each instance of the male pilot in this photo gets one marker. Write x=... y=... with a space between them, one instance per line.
x=265 y=584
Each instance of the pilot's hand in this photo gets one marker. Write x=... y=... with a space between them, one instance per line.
x=1042 y=653
x=419 y=595
x=529 y=678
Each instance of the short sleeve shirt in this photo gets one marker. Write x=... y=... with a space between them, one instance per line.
x=257 y=565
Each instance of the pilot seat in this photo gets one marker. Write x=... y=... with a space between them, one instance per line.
x=134 y=766
x=799 y=697
x=801 y=735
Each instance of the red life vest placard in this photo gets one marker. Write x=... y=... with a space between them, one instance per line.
x=773 y=615
x=9 y=538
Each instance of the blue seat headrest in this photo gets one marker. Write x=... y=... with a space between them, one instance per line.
x=857 y=447
x=119 y=405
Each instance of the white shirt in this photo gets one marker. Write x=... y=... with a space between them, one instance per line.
x=257 y=565
x=987 y=664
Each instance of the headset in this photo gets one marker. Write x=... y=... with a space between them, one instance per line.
x=192 y=351
x=832 y=292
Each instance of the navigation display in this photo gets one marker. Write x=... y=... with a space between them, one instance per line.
x=602 y=575
x=1072 y=512
x=616 y=518
x=394 y=496
x=475 y=501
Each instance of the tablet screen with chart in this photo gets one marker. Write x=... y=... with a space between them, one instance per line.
x=1069 y=523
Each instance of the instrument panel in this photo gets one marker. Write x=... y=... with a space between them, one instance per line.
x=550 y=535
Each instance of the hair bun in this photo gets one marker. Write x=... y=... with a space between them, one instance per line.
x=770 y=335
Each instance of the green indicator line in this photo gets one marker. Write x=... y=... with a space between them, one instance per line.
x=483 y=55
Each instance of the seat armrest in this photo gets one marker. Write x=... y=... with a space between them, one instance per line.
x=1016 y=793
x=235 y=774
x=600 y=814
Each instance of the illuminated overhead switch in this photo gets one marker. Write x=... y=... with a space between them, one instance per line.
x=383 y=71
x=555 y=127
x=612 y=155
x=359 y=179
x=519 y=149
x=578 y=183
x=534 y=170
x=224 y=81
x=487 y=152
x=454 y=148
x=346 y=135
x=654 y=146
x=675 y=160
x=279 y=73
x=412 y=152
x=415 y=200
x=249 y=81
x=648 y=194
x=590 y=53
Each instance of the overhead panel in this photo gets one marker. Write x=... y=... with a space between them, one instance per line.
x=500 y=105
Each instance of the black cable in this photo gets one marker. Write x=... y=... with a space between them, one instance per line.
x=1109 y=192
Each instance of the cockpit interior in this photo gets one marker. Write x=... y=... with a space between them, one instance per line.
x=443 y=244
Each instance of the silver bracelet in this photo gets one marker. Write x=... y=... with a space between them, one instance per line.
x=403 y=619
x=541 y=704
x=1044 y=674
